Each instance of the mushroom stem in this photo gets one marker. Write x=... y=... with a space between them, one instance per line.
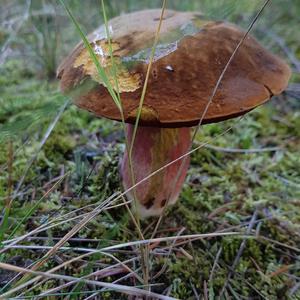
x=153 y=148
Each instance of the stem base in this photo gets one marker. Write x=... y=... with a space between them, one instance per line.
x=155 y=147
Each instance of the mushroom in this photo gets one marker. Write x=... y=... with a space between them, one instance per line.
x=189 y=58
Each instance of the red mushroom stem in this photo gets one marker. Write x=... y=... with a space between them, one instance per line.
x=153 y=148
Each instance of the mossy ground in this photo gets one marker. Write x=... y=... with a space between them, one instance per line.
x=224 y=190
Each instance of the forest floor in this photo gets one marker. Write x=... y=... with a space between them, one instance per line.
x=246 y=181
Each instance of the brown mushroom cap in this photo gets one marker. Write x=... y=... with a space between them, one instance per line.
x=190 y=56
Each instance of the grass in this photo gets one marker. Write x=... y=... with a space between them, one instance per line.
x=254 y=194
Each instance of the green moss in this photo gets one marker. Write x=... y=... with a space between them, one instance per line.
x=221 y=192
x=107 y=180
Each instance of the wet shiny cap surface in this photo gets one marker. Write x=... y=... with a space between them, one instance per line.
x=189 y=58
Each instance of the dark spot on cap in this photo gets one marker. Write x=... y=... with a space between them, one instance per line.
x=154 y=73
x=167 y=15
x=163 y=203
x=149 y=203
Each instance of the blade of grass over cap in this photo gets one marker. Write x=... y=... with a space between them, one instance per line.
x=211 y=98
x=147 y=76
x=114 y=67
x=101 y=71
x=93 y=56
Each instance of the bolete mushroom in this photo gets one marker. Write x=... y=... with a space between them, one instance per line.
x=190 y=56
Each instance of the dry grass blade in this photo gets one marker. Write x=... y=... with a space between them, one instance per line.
x=41 y=228
x=144 y=251
x=93 y=57
x=116 y=287
x=96 y=273
x=114 y=71
x=35 y=206
x=147 y=75
x=129 y=244
x=279 y=243
x=190 y=237
x=74 y=230
x=65 y=264
x=171 y=238
x=37 y=278
x=242 y=151
x=214 y=266
x=114 y=67
x=66 y=219
x=216 y=87
x=129 y=270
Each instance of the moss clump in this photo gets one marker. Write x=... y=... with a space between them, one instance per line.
x=107 y=180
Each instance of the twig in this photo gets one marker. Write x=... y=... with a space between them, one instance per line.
x=294 y=289
x=214 y=266
x=197 y=297
x=261 y=237
x=71 y=233
x=116 y=287
x=96 y=273
x=65 y=264
x=205 y=291
x=285 y=181
x=122 y=278
x=243 y=151
x=189 y=237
